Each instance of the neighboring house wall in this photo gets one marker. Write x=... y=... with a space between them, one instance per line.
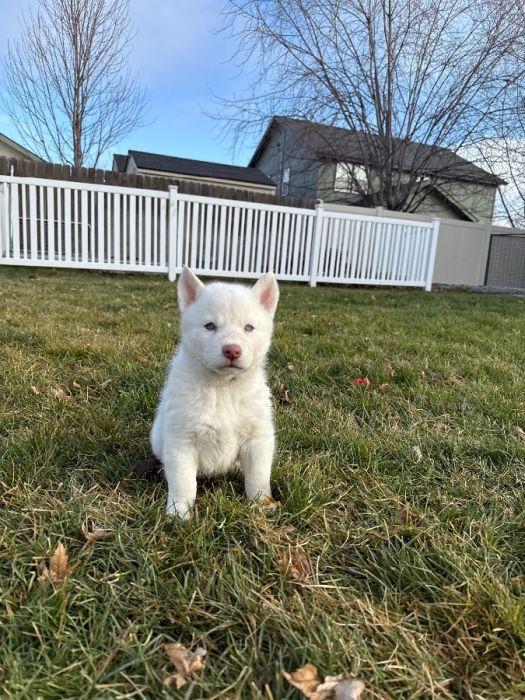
x=475 y=200
x=284 y=156
x=9 y=150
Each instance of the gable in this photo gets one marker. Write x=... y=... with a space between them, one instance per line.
x=12 y=149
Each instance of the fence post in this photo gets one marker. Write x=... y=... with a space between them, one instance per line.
x=3 y=234
x=432 y=254
x=172 y=233
x=316 y=242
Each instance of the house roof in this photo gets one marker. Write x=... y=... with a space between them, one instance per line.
x=197 y=168
x=335 y=143
x=23 y=150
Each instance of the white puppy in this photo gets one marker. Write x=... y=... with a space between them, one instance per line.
x=215 y=410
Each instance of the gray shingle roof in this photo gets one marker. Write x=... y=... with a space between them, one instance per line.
x=199 y=168
x=335 y=143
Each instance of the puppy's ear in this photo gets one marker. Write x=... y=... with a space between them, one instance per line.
x=189 y=288
x=267 y=292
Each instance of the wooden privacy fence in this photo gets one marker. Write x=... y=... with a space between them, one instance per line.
x=80 y=225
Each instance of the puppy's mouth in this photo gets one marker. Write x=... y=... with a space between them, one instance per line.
x=231 y=367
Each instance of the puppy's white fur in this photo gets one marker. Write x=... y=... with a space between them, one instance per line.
x=215 y=413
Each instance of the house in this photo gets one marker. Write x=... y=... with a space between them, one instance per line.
x=317 y=161
x=12 y=149
x=239 y=177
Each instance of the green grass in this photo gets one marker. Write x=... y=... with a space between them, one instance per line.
x=408 y=501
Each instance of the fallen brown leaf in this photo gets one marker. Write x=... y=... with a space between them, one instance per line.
x=85 y=330
x=385 y=388
x=269 y=503
x=281 y=393
x=142 y=359
x=61 y=395
x=38 y=390
x=295 y=562
x=306 y=679
x=94 y=534
x=105 y=384
x=58 y=566
x=187 y=663
x=290 y=366
x=313 y=687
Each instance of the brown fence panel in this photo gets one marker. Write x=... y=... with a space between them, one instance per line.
x=53 y=171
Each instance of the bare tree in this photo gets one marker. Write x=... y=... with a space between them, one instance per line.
x=67 y=84
x=410 y=77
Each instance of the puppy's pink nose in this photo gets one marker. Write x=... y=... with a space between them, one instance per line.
x=231 y=352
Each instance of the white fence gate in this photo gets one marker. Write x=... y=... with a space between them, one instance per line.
x=77 y=225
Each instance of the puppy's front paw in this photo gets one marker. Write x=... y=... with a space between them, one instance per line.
x=179 y=510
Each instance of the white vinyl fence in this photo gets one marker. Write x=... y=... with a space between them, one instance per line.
x=78 y=225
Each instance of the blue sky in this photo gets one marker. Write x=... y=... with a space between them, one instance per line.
x=182 y=61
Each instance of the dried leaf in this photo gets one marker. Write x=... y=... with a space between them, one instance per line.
x=306 y=679
x=61 y=395
x=85 y=330
x=385 y=388
x=421 y=376
x=290 y=366
x=363 y=381
x=295 y=562
x=269 y=503
x=96 y=533
x=105 y=384
x=38 y=390
x=281 y=393
x=313 y=687
x=58 y=566
x=142 y=359
x=188 y=663
x=418 y=455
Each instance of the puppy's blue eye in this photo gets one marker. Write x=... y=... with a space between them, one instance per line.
x=210 y=326
x=248 y=328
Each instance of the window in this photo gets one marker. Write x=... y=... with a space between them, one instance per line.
x=350 y=178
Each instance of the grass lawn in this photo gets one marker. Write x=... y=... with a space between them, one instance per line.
x=397 y=555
